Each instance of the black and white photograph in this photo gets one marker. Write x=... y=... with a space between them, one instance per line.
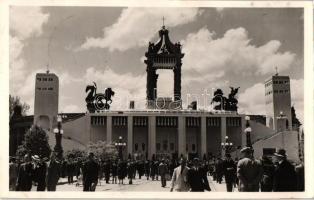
x=156 y=99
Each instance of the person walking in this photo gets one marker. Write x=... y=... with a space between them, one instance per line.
x=106 y=167
x=229 y=170
x=179 y=180
x=54 y=171
x=285 y=179
x=130 y=171
x=114 y=172
x=249 y=171
x=90 y=173
x=70 y=167
x=163 y=170
x=268 y=173
x=219 y=170
x=120 y=171
x=197 y=178
x=25 y=175
x=39 y=172
x=147 y=169
x=13 y=172
x=300 y=175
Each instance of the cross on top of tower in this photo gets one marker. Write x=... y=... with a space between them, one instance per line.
x=163 y=22
x=47 y=69
x=276 y=68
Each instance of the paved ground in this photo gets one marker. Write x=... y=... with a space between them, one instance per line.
x=138 y=185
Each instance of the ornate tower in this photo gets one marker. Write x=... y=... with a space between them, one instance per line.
x=163 y=55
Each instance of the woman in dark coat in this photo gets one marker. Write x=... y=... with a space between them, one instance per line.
x=54 y=170
x=120 y=171
x=25 y=174
x=114 y=172
x=268 y=173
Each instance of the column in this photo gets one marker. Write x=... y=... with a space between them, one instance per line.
x=151 y=136
x=223 y=133
x=109 y=129
x=243 y=136
x=87 y=137
x=181 y=136
x=203 y=136
x=130 y=135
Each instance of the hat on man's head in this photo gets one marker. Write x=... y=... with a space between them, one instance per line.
x=280 y=153
x=246 y=150
x=36 y=157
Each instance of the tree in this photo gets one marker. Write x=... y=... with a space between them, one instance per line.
x=16 y=101
x=35 y=143
x=103 y=150
x=295 y=121
x=76 y=154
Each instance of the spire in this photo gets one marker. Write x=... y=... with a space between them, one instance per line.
x=47 y=69
x=276 y=68
x=163 y=22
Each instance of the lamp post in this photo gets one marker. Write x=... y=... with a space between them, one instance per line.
x=120 y=145
x=248 y=131
x=226 y=145
x=58 y=134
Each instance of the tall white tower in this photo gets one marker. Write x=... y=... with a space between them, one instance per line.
x=46 y=100
x=278 y=101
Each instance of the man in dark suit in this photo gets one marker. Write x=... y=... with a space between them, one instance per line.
x=284 y=176
x=197 y=178
x=229 y=169
x=249 y=171
x=299 y=169
x=25 y=175
x=90 y=173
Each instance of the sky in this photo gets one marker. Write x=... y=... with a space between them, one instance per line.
x=238 y=47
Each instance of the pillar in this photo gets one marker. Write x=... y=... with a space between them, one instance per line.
x=203 y=136
x=151 y=136
x=181 y=136
x=130 y=135
x=243 y=136
x=109 y=129
x=223 y=133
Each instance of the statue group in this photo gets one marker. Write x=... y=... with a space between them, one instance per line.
x=98 y=101
x=224 y=103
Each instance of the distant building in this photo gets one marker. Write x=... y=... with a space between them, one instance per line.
x=46 y=100
x=278 y=102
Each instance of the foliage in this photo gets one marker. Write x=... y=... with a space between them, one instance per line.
x=35 y=143
x=295 y=121
x=75 y=153
x=103 y=150
x=16 y=101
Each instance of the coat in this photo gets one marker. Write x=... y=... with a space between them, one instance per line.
x=285 y=177
x=39 y=176
x=197 y=179
x=179 y=180
x=163 y=169
x=300 y=177
x=249 y=172
x=24 y=178
x=54 y=172
x=229 y=170
x=90 y=171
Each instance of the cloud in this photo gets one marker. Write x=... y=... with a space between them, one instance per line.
x=126 y=86
x=233 y=52
x=252 y=100
x=27 y=21
x=136 y=26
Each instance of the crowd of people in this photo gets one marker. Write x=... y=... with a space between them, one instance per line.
x=246 y=174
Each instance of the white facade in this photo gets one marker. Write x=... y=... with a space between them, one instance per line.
x=46 y=100
x=278 y=101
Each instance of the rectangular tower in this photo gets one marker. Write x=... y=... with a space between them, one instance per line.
x=46 y=100
x=278 y=101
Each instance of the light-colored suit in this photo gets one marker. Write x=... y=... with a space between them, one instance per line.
x=179 y=181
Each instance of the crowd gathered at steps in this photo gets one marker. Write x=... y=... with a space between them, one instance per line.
x=267 y=174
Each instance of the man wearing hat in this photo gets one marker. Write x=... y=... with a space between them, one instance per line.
x=249 y=171
x=229 y=169
x=179 y=178
x=24 y=178
x=163 y=170
x=90 y=173
x=197 y=177
x=284 y=176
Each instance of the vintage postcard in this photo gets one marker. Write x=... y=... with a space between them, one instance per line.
x=134 y=99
